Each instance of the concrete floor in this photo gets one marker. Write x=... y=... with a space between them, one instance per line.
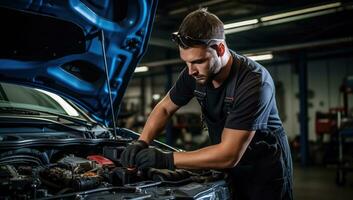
x=319 y=183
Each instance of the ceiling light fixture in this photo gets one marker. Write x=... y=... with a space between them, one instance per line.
x=282 y=18
x=299 y=17
x=260 y=57
x=141 y=69
x=241 y=23
x=156 y=96
x=301 y=11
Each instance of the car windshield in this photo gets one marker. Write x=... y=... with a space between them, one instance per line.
x=20 y=97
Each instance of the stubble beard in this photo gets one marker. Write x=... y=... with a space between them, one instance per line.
x=214 y=69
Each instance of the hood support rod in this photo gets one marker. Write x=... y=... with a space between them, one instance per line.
x=102 y=39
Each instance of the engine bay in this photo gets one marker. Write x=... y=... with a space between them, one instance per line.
x=91 y=172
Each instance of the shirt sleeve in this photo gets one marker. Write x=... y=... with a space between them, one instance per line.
x=252 y=106
x=183 y=89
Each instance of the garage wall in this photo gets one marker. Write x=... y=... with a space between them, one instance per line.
x=324 y=79
x=285 y=75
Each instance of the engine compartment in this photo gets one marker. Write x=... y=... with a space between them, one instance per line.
x=95 y=171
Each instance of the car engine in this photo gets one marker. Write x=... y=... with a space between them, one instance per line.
x=33 y=173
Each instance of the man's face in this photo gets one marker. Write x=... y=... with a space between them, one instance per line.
x=202 y=62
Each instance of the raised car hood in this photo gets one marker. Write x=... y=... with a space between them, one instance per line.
x=56 y=45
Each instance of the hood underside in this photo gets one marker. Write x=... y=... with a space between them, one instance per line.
x=59 y=46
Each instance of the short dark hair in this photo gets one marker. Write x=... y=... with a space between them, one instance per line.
x=201 y=24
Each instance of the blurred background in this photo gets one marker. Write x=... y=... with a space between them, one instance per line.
x=307 y=46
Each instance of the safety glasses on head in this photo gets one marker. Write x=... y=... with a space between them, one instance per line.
x=187 y=41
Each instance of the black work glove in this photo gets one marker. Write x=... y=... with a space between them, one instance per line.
x=155 y=158
x=127 y=158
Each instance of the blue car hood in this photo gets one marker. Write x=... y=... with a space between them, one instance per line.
x=56 y=45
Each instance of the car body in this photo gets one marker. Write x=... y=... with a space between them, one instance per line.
x=64 y=67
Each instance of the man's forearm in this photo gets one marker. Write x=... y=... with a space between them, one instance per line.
x=223 y=155
x=211 y=157
x=157 y=120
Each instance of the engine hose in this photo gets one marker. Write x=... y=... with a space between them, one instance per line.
x=20 y=160
x=30 y=152
x=18 y=157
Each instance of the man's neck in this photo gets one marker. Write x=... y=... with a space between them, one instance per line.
x=224 y=72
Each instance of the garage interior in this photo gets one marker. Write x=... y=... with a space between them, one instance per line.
x=307 y=46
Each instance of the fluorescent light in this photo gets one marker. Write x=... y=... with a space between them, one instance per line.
x=284 y=17
x=240 y=29
x=302 y=11
x=241 y=23
x=268 y=56
x=141 y=69
x=156 y=96
x=300 y=17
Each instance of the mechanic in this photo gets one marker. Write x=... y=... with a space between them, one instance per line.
x=237 y=99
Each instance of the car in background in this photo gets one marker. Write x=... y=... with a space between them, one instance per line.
x=64 y=68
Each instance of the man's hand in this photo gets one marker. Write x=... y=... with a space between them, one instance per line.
x=155 y=158
x=127 y=158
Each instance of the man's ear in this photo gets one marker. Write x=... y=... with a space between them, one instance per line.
x=220 y=49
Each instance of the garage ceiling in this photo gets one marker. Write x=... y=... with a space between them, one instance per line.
x=330 y=22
